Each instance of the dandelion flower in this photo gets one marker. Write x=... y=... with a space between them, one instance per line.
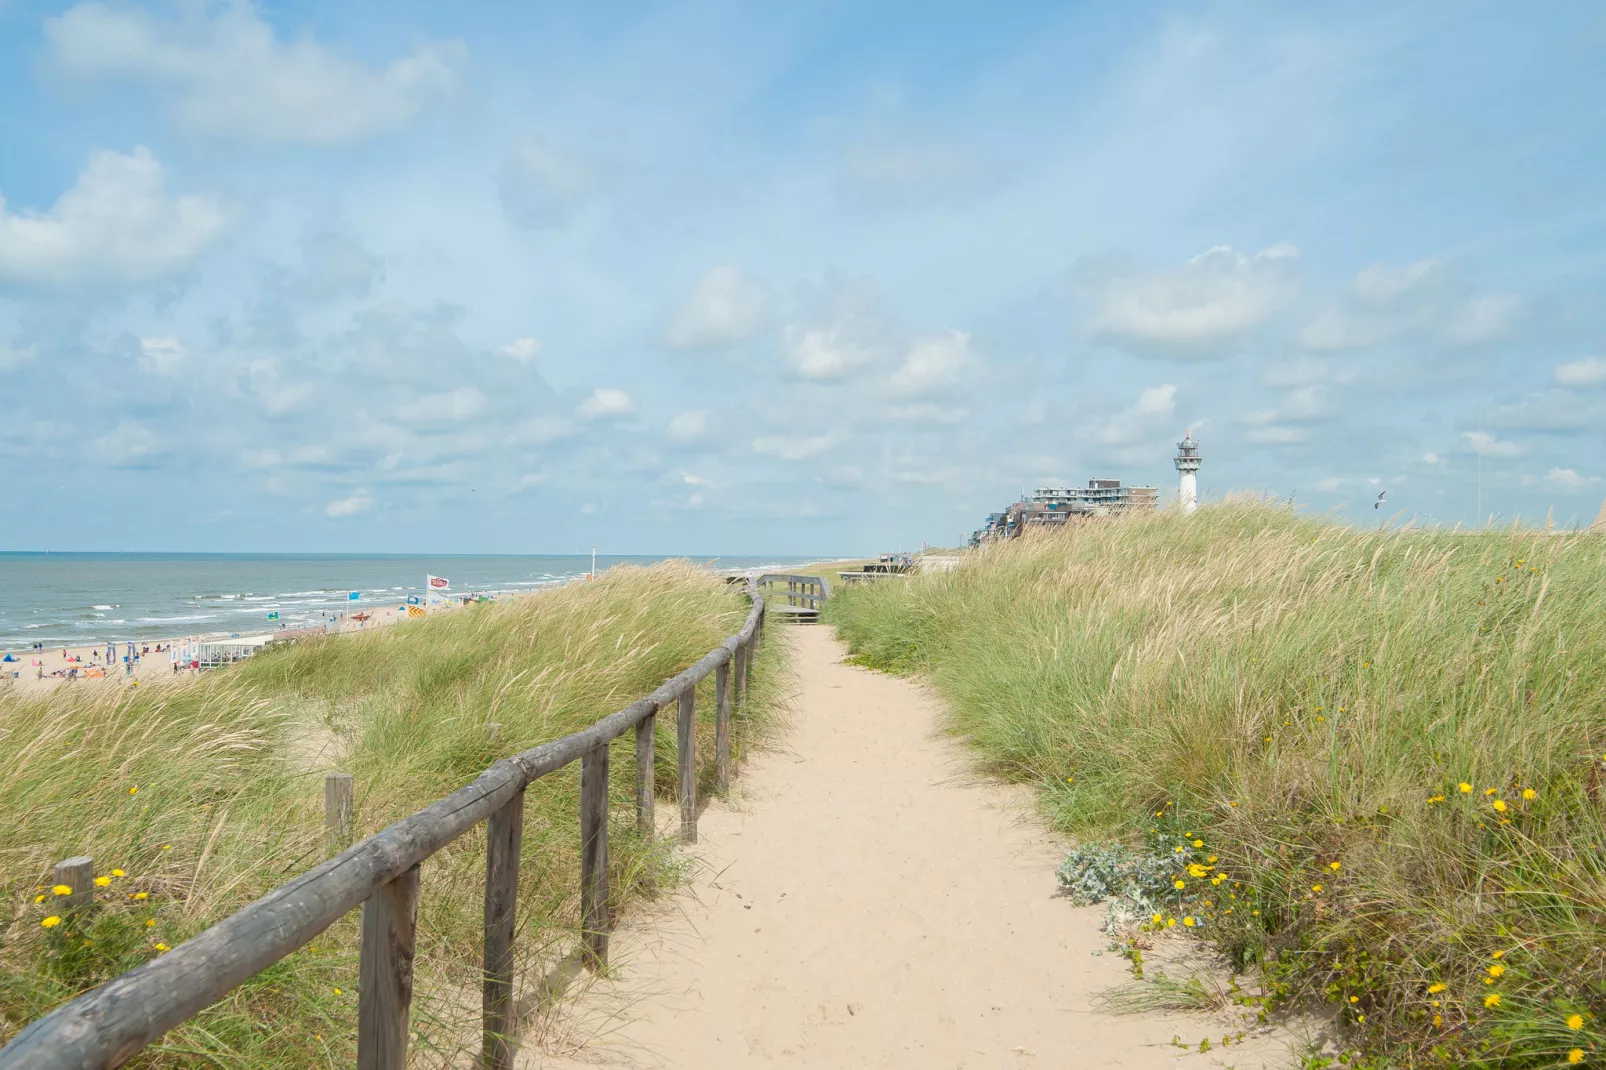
x=1492 y=999
x=133 y=790
x=118 y=873
x=1355 y=999
x=1333 y=866
x=1179 y=884
x=1466 y=789
x=142 y=895
x=1180 y=849
x=1530 y=794
x=1438 y=1020
x=1317 y=888
x=167 y=847
x=1361 y=1018
x=51 y=922
x=163 y=947
x=150 y=923
x=1188 y=921
x=61 y=889
x=1436 y=987
x=1576 y=1022
x=1498 y=955
x=1211 y=859
x=1496 y=970
x=338 y=992
x=1156 y=919
x=1171 y=923
x=1488 y=791
x=39 y=899
x=102 y=881
x=1576 y=1055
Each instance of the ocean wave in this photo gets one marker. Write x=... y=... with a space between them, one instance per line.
x=103 y=607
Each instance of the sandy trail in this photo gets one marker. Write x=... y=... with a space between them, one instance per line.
x=865 y=902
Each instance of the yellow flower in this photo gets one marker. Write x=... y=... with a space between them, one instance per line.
x=1499 y=806
x=1496 y=970
x=132 y=790
x=62 y=889
x=38 y=899
x=1576 y=1022
x=142 y=895
x=1198 y=843
x=1436 y=987
x=101 y=882
x=1492 y=999
x=1529 y=794
x=51 y=922
x=1488 y=791
x=118 y=873
x=1181 y=850
x=1156 y=919
x=1355 y=999
x=150 y=922
x=1317 y=888
x=1211 y=859
x=1171 y=923
x=1188 y=921
x=167 y=847
x=1197 y=870
x=1333 y=866
x=1498 y=955
x=162 y=947
x=1576 y=1055
x=1179 y=884
x=1466 y=789
x=1438 y=1020
x=338 y=992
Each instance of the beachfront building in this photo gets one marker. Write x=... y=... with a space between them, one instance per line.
x=1051 y=506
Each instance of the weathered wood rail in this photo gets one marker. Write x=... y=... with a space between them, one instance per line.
x=804 y=595
x=111 y=1024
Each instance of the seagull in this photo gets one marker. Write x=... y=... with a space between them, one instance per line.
x=1379 y=503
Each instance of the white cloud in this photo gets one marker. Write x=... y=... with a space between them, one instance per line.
x=531 y=479
x=540 y=430
x=162 y=356
x=1568 y=479
x=452 y=406
x=927 y=414
x=689 y=426
x=277 y=396
x=822 y=353
x=1215 y=299
x=695 y=481
x=1432 y=458
x=1142 y=421
x=1421 y=299
x=934 y=363
x=1486 y=444
x=522 y=350
x=226 y=74
x=606 y=402
x=261 y=459
x=359 y=502
x=1591 y=371
x=587 y=508
x=1300 y=407
x=13 y=357
x=794 y=447
x=725 y=308
x=127 y=443
x=541 y=186
x=116 y=224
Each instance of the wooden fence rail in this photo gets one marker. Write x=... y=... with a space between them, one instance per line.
x=111 y=1024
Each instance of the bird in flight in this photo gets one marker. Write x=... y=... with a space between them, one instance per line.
x=1380 y=496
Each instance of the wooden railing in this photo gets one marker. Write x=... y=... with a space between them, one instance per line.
x=802 y=594
x=111 y=1024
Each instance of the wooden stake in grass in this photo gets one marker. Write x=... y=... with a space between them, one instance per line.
x=646 y=729
x=338 y=806
x=722 y=727
x=686 y=741
x=504 y=840
x=385 y=974
x=594 y=855
x=77 y=873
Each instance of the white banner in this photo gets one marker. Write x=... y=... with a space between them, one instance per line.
x=439 y=583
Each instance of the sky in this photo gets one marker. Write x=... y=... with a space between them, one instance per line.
x=801 y=278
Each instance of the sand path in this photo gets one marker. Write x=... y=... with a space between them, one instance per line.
x=863 y=901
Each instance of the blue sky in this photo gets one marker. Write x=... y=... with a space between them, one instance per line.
x=828 y=277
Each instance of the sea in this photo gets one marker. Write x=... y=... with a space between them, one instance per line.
x=79 y=599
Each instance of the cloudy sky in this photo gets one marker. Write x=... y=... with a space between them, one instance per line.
x=785 y=278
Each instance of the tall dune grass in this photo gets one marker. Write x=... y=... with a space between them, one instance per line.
x=205 y=795
x=1390 y=746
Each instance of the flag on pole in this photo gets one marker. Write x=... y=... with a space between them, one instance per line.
x=439 y=583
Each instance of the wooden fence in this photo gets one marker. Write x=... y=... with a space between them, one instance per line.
x=111 y=1024
x=804 y=595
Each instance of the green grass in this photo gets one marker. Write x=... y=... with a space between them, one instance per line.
x=208 y=794
x=1305 y=700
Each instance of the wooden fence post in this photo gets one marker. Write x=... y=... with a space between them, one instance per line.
x=594 y=855
x=504 y=841
x=722 y=726
x=686 y=742
x=385 y=974
x=338 y=805
x=741 y=675
x=77 y=873
x=646 y=729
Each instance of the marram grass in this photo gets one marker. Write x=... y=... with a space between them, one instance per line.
x=1388 y=745
x=194 y=798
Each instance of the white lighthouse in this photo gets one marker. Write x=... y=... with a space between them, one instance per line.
x=1187 y=461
